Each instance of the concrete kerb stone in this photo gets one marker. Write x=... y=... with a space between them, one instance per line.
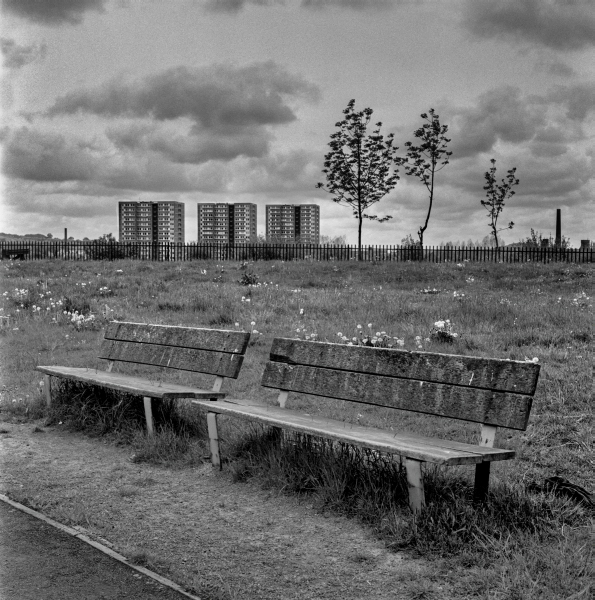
x=102 y=547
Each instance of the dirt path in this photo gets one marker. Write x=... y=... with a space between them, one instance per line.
x=215 y=537
x=38 y=561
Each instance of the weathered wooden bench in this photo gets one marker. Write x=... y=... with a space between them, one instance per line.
x=492 y=392
x=207 y=351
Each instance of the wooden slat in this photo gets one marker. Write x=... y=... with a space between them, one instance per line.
x=467 y=371
x=222 y=364
x=428 y=449
x=188 y=337
x=481 y=406
x=130 y=384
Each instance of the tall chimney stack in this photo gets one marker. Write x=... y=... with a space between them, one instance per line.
x=558 y=227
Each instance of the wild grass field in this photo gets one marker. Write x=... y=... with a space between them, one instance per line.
x=531 y=543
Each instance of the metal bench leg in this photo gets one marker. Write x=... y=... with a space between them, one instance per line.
x=47 y=389
x=213 y=439
x=415 y=483
x=482 y=482
x=149 y=415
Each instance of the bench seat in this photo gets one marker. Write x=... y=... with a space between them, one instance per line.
x=410 y=445
x=160 y=348
x=130 y=383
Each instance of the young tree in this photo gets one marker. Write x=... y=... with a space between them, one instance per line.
x=360 y=168
x=496 y=195
x=106 y=238
x=408 y=241
x=426 y=159
x=329 y=240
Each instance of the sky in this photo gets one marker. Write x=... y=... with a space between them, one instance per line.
x=235 y=101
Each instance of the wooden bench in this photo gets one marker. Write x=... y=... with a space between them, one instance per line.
x=207 y=351
x=492 y=392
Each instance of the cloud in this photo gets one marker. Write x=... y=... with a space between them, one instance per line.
x=280 y=173
x=219 y=97
x=16 y=56
x=546 y=125
x=556 y=67
x=52 y=12
x=235 y=6
x=194 y=145
x=119 y=161
x=560 y=24
x=501 y=114
x=55 y=158
x=193 y=116
x=38 y=156
x=353 y=4
x=578 y=99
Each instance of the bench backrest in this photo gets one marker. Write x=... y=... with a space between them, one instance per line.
x=493 y=392
x=211 y=351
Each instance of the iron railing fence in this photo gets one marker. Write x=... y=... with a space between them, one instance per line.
x=166 y=251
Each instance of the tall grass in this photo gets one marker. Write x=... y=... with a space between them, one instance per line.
x=515 y=311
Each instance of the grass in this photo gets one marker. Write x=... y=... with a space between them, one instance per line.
x=525 y=544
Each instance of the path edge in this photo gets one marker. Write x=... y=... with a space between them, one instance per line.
x=101 y=547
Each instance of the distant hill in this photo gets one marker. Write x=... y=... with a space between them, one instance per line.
x=27 y=236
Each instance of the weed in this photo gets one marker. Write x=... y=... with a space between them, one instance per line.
x=442 y=332
x=167 y=447
x=172 y=306
x=76 y=304
x=221 y=320
x=249 y=278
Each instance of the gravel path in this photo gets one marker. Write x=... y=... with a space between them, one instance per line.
x=38 y=561
x=214 y=537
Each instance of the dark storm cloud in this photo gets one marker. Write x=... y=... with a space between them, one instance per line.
x=221 y=97
x=559 y=24
x=16 y=56
x=52 y=12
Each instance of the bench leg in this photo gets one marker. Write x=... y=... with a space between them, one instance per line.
x=415 y=483
x=47 y=389
x=213 y=439
x=482 y=482
x=148 y=415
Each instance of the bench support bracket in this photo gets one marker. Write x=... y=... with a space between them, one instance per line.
x=217 y=384
x=149 y=415
x=415 y=484
x=213 y=439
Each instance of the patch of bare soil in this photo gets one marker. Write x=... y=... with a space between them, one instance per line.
x=215 y=537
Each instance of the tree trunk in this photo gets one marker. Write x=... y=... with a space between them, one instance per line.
x=359 y=236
